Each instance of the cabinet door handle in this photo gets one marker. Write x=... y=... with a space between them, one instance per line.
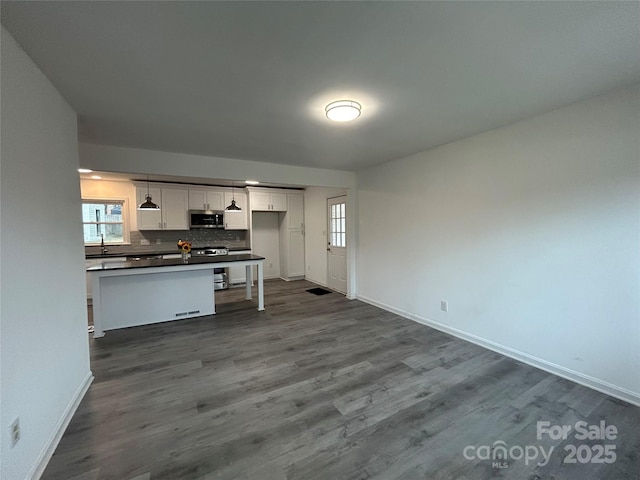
x=165 y=224
x=159 y=224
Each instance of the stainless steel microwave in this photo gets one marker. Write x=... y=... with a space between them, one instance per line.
x=206 y=219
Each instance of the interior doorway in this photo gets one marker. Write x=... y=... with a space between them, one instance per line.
x=337 y=243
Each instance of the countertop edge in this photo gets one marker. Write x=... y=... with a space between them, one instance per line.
x=176 y=262
x=92 y=256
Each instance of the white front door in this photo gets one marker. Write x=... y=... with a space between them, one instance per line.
x=337 y=243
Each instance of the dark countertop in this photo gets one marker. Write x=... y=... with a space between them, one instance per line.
x=149 y=254
x=158 y=262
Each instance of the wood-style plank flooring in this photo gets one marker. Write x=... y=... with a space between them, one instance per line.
x=323 y=388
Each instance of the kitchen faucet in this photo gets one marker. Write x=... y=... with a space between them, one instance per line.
x=102 y=247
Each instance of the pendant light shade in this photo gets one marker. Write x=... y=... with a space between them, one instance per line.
x=232 y=206
x=148 y=204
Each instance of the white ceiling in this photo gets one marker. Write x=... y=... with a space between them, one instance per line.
x=250 y=80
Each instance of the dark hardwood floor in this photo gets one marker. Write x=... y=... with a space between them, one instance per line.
x=320 y=387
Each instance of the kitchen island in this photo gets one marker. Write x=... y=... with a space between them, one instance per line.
x=141 y=292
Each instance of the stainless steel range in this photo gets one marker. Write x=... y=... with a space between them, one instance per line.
x=220 y=275
x=209 y=251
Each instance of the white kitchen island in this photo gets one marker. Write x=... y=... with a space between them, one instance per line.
x=142 y=292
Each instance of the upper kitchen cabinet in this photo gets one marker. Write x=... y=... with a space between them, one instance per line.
x=268 y=201
x=206 y=199
x=172 y=215
x=295 y=211
x=174 y=209
x=235 y=220
x=292 y=238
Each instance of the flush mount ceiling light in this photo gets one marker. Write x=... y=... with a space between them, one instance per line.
x=343 y=110
x=148 y=204
x=251 y=182
x=84 y=170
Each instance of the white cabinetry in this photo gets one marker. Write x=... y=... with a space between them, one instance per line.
x=294 y=254
x=173 y=208
x=295 y=211
x=206 y=199
x=235 y=220
x=268 y=201
x=292 y=238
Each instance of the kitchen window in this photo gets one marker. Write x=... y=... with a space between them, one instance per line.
x=104 y=219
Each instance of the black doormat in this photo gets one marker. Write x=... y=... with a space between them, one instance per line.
x=318 y=291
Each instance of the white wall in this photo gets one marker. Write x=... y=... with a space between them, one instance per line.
x=530 y=232
x=315 y=239
x=135 y=160
x=107 y=190
x=44 y=345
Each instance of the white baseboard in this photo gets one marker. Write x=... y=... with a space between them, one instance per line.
x=46 y=454
x=290 y=279
x=317 y=282
x=577 y=377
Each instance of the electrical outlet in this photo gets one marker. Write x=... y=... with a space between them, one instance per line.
x=14 y=431
x=444 y=305
x=144 y=241
x=158 y=241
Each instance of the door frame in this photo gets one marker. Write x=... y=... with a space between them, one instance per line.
x=344 y=196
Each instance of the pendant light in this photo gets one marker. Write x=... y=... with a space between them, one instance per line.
x=148 y=204
x=232 y=206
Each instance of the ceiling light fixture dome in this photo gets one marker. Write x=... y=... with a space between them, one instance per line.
x=343 y=110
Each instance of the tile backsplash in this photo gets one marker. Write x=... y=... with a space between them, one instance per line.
x=163 y=241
